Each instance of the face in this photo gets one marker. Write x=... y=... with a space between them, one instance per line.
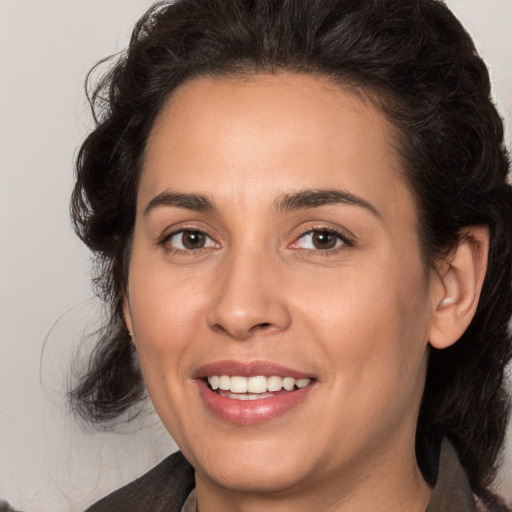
x=276 y=259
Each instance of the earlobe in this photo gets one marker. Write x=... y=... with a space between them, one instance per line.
x=459 y=283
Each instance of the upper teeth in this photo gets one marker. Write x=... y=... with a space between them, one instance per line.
x=258 y=384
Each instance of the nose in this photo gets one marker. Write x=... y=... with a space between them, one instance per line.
x=250 y=298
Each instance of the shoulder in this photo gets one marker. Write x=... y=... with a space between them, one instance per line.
x=5 y=507
x=452 y=491
x=491 y=503
x=163 y=488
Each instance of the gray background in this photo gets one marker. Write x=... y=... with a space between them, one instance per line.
x=47 y=461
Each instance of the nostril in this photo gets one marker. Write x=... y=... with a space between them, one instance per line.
x=263 y=325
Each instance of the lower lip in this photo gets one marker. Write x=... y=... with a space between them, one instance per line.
x=249 y=412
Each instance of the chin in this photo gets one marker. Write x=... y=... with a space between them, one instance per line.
x=249 y=466
x=255 y=478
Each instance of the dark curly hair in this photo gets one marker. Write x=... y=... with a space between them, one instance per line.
x=420 y=66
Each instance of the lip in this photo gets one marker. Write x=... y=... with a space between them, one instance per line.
x=248 y=369
x=250 y=412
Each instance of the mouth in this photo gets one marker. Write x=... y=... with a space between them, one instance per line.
x=251 y=393
x=258 y=387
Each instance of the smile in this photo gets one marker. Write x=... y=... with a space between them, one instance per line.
x=252 y=400
x=251 y=392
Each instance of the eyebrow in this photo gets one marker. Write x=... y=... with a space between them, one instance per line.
x=302 y=199
x=319 y=197
x=177 y=200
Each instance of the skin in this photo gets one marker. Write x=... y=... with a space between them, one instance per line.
x=357 y=317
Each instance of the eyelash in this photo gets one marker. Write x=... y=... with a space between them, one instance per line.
x=346 y=243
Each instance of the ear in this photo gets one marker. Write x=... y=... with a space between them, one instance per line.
x=459 y=281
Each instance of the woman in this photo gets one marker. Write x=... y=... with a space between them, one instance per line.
x=302 y=223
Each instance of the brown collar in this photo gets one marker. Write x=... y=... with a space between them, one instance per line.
x=452 y=492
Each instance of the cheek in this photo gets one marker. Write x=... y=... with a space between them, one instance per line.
x=164 y=311
x=165 y=320
x=372 y=323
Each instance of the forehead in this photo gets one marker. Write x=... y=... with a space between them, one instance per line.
x=271 y=133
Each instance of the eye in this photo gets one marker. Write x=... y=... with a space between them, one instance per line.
x=190 y=240
x=320 y=239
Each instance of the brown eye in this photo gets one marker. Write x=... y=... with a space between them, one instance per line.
x=190 y=240
x=193 y=239
x=324 y=240
x=320 y=240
